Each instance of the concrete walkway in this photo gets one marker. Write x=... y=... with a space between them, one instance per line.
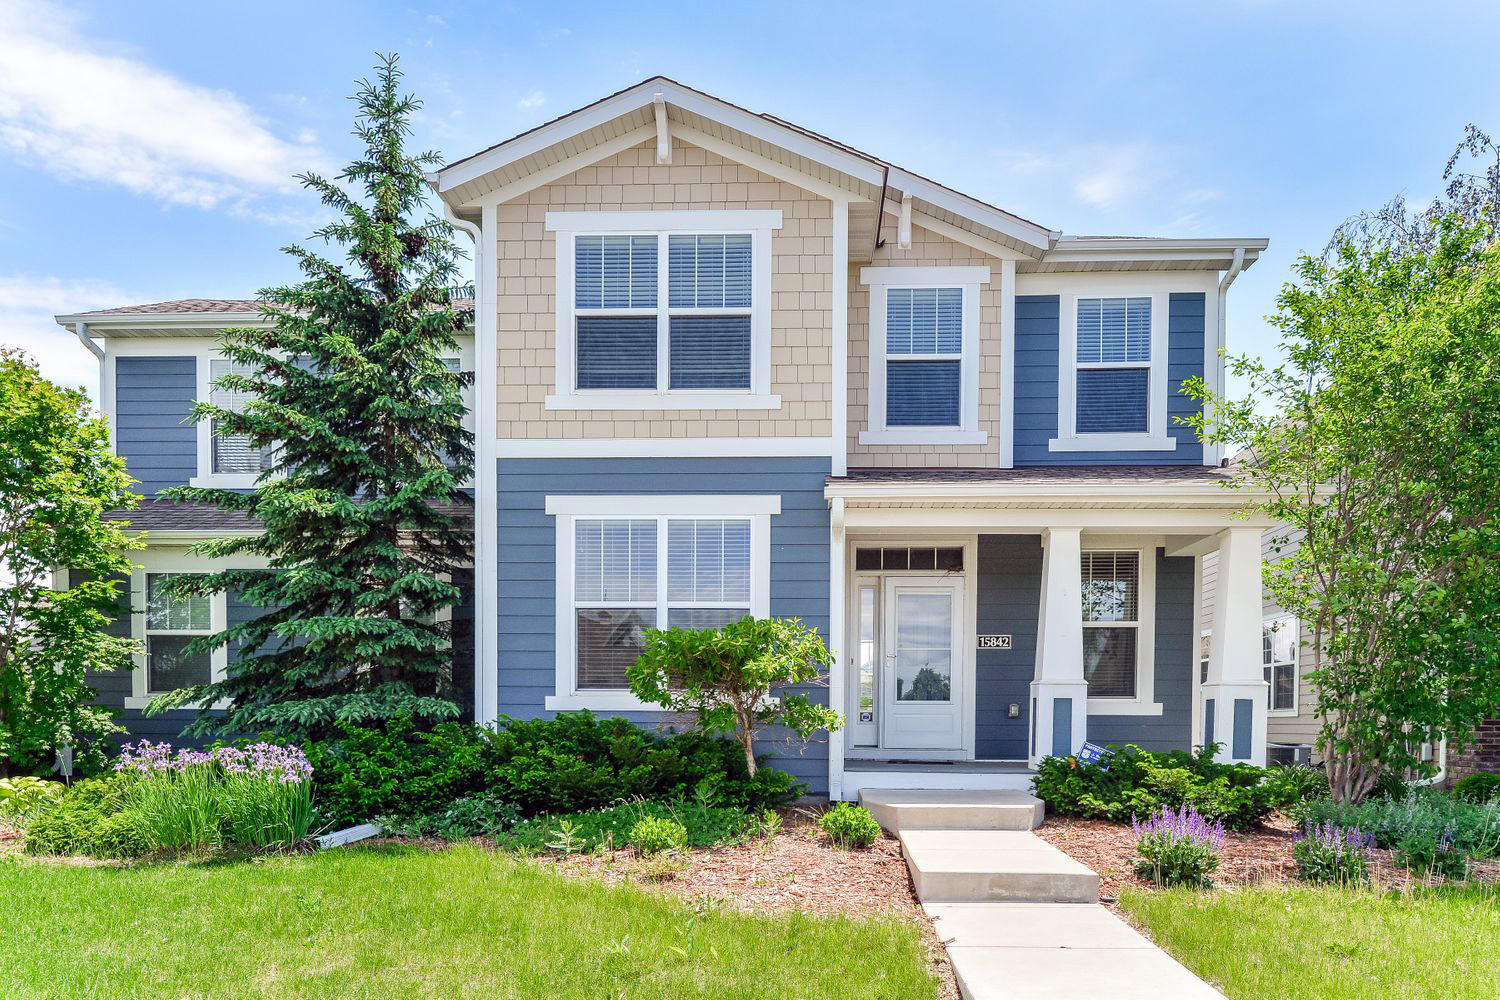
x=1021 y=920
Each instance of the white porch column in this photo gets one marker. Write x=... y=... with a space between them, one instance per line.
x=837 y=673
x=1059 y=693
x=1234 y=697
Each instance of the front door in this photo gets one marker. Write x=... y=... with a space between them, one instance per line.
x=925 y=668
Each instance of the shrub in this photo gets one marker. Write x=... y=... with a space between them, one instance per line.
x=1289 y=786
x=657 y=834
x=1427 y=855
x=1478 y=788
x=1473 y=829
x=1177 y=848
x=1333 y=855
x=1134 y=782
x=89 y=819
x=706 y=826
x=849 y=826
x=477 y=816
x=24 y=798
x=572 y=763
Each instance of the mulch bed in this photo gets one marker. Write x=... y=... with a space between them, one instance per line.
x=1260 y=856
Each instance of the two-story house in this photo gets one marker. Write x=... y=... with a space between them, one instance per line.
x=727 y=365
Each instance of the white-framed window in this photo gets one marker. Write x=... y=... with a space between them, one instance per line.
x=1279 y=650
x=171 y=624
x=1112 y=373
x=1118 y=588
x=1205 y=644
x=626 y=564
x=663 y=310
x=924 y=355
x=230 y=455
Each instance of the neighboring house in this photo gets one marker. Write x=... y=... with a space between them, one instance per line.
x=727 y=365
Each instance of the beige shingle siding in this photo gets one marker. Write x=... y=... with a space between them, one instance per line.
x=801 y=297
x=932 y=250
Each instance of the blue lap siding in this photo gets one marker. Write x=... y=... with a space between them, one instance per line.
x=527 y=562
x=153 y=429
x=1037 y=322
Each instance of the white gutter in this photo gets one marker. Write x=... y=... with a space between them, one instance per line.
x=81 y=331
x=486 y=525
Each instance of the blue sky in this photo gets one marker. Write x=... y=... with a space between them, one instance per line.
x=146 y=149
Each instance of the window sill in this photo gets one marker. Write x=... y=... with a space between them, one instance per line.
x=680 y=400
x=918 y=436
x=598 y=701
x=139 y=702
x=1123 y=706
x=225 y=481
x=1113 y=442
x=1281 y=713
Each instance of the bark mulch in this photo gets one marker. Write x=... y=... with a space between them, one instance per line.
x=1260 y=856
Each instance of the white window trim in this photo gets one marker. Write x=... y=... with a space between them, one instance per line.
x=206 y=476
x=1296 y=663
x=880 y=280
x=757 y=224
x=1144 y=702
x=218 y=616
x=758 y=509
x=1156 y=438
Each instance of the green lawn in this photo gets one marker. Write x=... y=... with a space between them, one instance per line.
x=402 y=922
x=1310 y=943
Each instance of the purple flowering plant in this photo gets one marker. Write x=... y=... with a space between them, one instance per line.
x=258 y=796
x=1332 y=854
x=1177 y=847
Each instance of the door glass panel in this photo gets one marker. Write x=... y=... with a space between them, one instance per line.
x=867 y=654
x=924 y=647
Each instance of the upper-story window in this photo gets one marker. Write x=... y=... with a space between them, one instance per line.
x=1112 y=388
x=924 y=350
x=677 y=317
x=232 y=454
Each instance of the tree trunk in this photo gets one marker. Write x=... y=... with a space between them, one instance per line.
x=746 y=735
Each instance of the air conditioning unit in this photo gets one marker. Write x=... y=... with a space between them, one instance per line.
x=1288 y=753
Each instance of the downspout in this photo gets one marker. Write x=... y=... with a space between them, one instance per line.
x=486 y=606
x=885 y=186
x=1442 y=770
x=1220 y=341
x=81 y=330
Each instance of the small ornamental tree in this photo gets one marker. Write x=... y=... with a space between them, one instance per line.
x=58 y=475
x=350 y=395
x=736 y=679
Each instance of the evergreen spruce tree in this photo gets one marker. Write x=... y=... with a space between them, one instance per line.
x=362 y=514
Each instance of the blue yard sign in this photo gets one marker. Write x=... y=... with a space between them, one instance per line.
x=1093 y=753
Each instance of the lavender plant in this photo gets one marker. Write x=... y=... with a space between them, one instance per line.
x=1177 y=848
x=1333 y=855
x=191 y=800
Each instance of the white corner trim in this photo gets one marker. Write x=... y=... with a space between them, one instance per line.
x=707 y=447
x=1007 y=364
x=1113 y=442
x=655 y=505
x=673 y=399
x=913 y=435
x=924 y=277
x=655 y=221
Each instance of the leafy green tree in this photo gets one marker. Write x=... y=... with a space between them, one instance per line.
x=364 y=423
x=58 y=475
x=737 y=679
x=1375 y=447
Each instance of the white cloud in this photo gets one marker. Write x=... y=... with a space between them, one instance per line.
x=534 y=99
x=85 y=114
x=1118 y=174
x=27 y=305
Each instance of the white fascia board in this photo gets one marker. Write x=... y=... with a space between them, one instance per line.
x=1003 y=222
x=1198 y=494
x=706 y=447
x=522 y=146
x=984 y=245
x=1229 y=244
x=1069 y=251
x=654 y=505
x=100 y=325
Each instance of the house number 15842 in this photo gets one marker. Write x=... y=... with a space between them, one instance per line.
x=994 y=642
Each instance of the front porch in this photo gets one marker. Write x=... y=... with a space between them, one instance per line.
x=984 y=619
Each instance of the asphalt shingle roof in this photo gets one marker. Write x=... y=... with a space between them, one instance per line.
x=1042 y=475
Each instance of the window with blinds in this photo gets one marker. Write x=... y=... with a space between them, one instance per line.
x=171 y=623
x=1279 y=655
x=699 y=323
x=1114 y=366
x=619 y=591
x=1111 y=622
x=924 y=357
x=233 y=453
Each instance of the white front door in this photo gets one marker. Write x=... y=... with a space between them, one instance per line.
x=925 y=669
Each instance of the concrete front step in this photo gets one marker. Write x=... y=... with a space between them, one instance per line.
x=902 y=809
x=994 y=866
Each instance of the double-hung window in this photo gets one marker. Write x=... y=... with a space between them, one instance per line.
x=924 y=348
x=1278 y=648
x=1112 y=374
x=674 y=317
x=702 y=564
x=232 y=454
x=1111 y=623
x=171 y=623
